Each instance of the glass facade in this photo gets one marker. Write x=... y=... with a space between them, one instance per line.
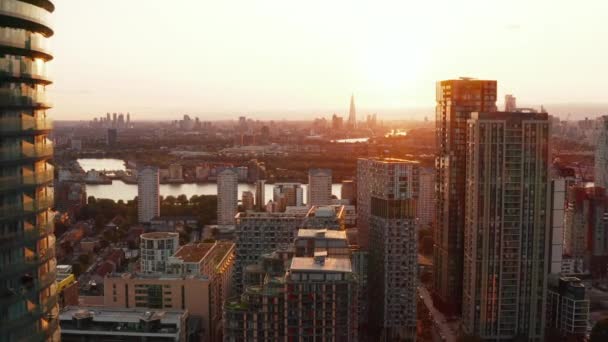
x=28 y=300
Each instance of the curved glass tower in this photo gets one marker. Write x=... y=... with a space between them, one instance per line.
x=28 y=301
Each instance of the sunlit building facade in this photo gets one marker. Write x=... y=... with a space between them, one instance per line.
x=28 y=291
x=456 y=99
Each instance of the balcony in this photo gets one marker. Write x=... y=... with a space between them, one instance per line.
x=22 y=238
x=24 y=124
x=34 y=179
x=28 y=291
x=28 y=264
x=28 y=151
x=28 y=318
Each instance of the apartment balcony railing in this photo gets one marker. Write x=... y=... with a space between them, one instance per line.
x=17 y=153
x=24 y=124
x=34 y=179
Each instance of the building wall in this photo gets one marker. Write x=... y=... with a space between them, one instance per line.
x=27 y=245
x=319 y=187
x=456 y=99
x=507 y=225
x=601 y=154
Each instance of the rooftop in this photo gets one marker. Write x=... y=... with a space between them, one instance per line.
x=159 y=235
x=322 y=234
x=307 y=264
x=392 y=160
x=193 y=252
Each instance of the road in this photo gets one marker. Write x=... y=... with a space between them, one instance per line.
x=438 y=317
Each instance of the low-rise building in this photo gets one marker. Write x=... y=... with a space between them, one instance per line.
x=568 y=307
x=81 y=324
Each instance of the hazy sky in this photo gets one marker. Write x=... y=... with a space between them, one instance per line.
x=275 y=58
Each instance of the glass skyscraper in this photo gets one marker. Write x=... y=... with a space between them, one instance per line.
x=28 y=301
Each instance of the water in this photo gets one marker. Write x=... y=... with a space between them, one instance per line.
x=119 y=190
x=100 y=164
x=352 y=140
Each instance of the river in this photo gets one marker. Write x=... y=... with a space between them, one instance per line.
x=120 y=190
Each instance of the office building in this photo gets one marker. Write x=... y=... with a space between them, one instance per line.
x=319 y=187
x=387 y=193
x=352 y=113
x=227 y=197
x=456 y=99
x=260 y=194
x=148 y=197
x=568 y=308
x=27 y=265
x=426 y=202
x=349 y=191
x=507 y=225
x=247 y=200
x=585 y=228
x=601 y=154
x=258 y=233
x=155 y=248
x=510 y=103
x=288 y=194
x=84 y=324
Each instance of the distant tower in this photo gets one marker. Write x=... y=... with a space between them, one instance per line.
x=352 y=116
x=601 y=154
x=148 y=203
x=510 y=103
x=227 y=197
x=319 y=187
x=128 y=119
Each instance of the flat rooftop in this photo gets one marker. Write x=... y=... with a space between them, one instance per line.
x=159 y=235
x=122 y=315
x=392 y=160
x=322 y=234
x=193 y=252
x=308 y=264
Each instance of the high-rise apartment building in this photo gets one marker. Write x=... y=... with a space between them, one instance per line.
x=319 y=187
x=227 y=197
x=425 y=206
x=176 y=172
x=154 y=250
x=387 y=193
x=456 y=99
x=258 y=233
x=507 y=225
x=586 y=228
x=601 y=154
x=260 y=194
x=28 y=297
x=148 y=200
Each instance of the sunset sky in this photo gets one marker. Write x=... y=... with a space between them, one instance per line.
x=283 y=59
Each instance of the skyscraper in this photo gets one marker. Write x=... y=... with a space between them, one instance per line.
x=456 y=99
x=426 y=202
x=227 y=197
x=260 y=194
x=28 y=297
x=601 y=154
x=148 y=201
x=507 y=225
x=352 y=113
x=319 y=187
x=387 y=198
x=247 y=200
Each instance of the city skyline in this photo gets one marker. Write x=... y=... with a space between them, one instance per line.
x=266 y=60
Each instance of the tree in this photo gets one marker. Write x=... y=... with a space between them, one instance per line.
x=599 y=333
x=182 y=200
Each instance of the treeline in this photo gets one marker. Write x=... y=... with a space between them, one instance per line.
x=102 y=210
